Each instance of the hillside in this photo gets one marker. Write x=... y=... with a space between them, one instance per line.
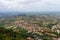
x=42 y=26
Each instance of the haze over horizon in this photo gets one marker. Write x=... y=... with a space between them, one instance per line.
x=29 y=5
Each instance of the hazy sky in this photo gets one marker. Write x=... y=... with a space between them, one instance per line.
x=29 y=5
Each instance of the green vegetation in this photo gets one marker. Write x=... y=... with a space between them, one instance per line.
x=9 y=34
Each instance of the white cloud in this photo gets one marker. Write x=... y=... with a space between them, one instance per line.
x=30 y=4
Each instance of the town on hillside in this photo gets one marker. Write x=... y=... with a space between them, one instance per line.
x=30 y=27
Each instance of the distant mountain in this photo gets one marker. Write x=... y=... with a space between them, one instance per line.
x=9 y=14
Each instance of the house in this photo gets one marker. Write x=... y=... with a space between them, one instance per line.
x=29 y=38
